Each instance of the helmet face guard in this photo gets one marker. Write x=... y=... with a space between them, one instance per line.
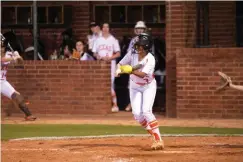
x=144 y=44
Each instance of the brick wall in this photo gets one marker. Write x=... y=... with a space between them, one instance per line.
x=63 y=87
x=197 y=80
x=222 y=27
x=175 y=38
x=181 y=32
x=222 y=23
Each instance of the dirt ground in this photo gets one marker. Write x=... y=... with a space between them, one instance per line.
x=123 y=118
x=126 y=149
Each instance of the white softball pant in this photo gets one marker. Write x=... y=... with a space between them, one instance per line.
x=142 y=100
x=6 y=89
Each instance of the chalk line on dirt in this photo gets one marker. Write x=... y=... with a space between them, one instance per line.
x=66 y=150
x=81 y=152
x=124 y=135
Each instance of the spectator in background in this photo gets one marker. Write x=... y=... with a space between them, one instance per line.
x=107 y=48
x=67 y=52
x=67 y=44
x=139 y=28
x=54 y=55
x=95 y=34
x=79 y=53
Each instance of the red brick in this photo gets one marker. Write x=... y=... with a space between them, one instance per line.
x=52 y=89
x=212 y=104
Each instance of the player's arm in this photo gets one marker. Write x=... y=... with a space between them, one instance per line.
x=116 y=55
x=5 y=59
x=96 y=55
x=237 y=87
x=11 y=57
x=148 y=67
x=126 y=60
x=117 y=49
x=95 y=50
x=140 y=74
x=231 y=85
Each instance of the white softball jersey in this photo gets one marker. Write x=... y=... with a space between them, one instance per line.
x=92 y=38
x=107 y=47
x=4 y=66
x=142 y=90
x=148 y=65
x=6 y=88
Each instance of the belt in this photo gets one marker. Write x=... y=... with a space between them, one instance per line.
x=142 y=84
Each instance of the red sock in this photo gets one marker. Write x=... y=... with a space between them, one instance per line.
x=155 y=130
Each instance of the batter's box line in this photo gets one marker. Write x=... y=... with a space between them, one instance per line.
x=66 y=150
x=124 y=135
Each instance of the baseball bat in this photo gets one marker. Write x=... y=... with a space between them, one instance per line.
x=136 y=67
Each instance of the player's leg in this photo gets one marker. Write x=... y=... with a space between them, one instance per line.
x=114 y=101
x=115 y=107
x=148 y=101
x=8 y=91
x=136 y=103
x=129 y=107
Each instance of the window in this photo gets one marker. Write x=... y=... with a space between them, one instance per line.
x=162 y=13
x=202 y=26
x=24 y=15
x=134 y=14
x=55 y=15
x=150 y=14
x=239 y=23
x=47 y=16
x=118 y=15
x=41 y=14
x=102 y=14
x=8 y=15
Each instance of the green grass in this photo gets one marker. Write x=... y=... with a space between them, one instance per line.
x=10 y=131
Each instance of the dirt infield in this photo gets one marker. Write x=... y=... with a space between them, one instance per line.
x=125 y=149
x=125 y=118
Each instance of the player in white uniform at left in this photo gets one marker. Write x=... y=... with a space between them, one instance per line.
x=142 y=86
x=6 y=88
x=107 y=48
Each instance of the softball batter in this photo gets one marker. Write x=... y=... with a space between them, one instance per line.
x=139 y=28
x=6 y=88
x=142 y=86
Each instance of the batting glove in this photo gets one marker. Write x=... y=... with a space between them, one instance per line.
x=126 y=69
